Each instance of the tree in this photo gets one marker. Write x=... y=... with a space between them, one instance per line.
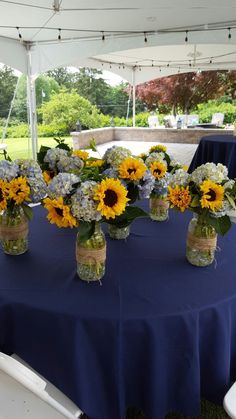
x=63 y=77
x=7 y=86
x=44 y=86
x=65 y=108
x=182 y=92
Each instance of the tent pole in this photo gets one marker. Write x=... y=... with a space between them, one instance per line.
x=134 y=95
x=31 y=101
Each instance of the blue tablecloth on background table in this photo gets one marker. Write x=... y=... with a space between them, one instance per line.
x=216 y=149
x=159 y=334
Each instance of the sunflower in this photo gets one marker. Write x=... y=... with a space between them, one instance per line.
x=3 y=194
x=19 y=190
x=59 y=213
x=95 y=163
x=212 y=196
x=132 y=169
x=158 y=148
x=158 y=169
x=83 y=155
x=179 y=197
x=112 y=197
x=48 y=176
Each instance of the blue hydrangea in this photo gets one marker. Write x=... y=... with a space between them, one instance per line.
x=53 y=155
x=111 y=173
x=146 y=185
x=8 y=170
x=70 y=164
x=83 y=205
x=38 y=189
x=29 y=168
x=62 y=185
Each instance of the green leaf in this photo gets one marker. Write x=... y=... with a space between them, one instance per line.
x=221 y=225
x=86 y=230
x=27 y=211
x=128 y=216
x=195 y=201
x=231 y=201
x=92 y=145
x=133 y=192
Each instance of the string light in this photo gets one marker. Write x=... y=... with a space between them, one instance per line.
x=59 y=34
x=190 y=64
x=210 y=62
x=152 y=64
x=229 y=34
x=103 y=36
x=186 y=36
x=19 y=34
x=145 y=37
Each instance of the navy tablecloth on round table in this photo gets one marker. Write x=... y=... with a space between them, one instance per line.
x=216 y=149
x=159 y=334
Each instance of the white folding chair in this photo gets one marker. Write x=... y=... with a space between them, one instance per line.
x=217 y=118
x=229 y=402
x=26 y=395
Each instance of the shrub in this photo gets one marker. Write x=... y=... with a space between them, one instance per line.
x=206 y=110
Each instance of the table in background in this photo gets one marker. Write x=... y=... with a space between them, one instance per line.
x=216 y=149
x=159 y=334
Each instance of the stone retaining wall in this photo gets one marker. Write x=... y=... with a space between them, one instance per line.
x=165 y=135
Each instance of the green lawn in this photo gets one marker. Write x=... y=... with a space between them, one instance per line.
x=21 y=147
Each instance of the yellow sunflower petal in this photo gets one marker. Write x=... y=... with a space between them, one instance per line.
x=158 y=169
x=132 y=169
x=59 y=213
x=212 y=195
x=3 y=194
x=83 y=155
x=158 y=148
x=179 y=197
x=112 y=197
x=19 y=190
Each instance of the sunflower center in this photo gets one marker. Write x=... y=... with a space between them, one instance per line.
x=1 y=195
x=131 y=170
x=110 y=198
x=212 y=195
x=59 y=211
x=157 y=171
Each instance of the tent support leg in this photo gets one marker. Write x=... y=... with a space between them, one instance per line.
x=31 y=101
x=134 y=96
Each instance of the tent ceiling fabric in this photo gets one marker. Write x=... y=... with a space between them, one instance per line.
x=125 y=24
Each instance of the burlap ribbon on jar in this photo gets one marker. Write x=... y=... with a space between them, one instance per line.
x=90 y=256
x=14 y=232
x=201 y=243
x=157 y=202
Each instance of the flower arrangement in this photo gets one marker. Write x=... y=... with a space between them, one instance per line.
x=210 y=194
x=72 y=202
x=162 y=167
x=21 y=183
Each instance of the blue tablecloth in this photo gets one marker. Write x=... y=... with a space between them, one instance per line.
x=216 y=149
x=159 y=334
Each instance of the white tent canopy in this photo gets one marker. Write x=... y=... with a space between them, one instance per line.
x=135 y=39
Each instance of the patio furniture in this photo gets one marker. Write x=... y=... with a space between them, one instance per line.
x=216 y=149
x=230 y=402
x=158 y=333
x=24 y=394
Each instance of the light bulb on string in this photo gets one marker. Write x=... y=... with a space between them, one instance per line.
x=186 y=37
x=145 y=37
x=103 y=36
x=59 y=34
x=229 y=34
x=19 y=34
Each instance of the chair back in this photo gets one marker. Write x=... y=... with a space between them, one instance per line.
x=229 y=402
x=23 y=394
x=217 y=118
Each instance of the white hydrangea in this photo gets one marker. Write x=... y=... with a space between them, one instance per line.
x=62 y=185
x=8 y=170
x=115 y=155
x=83 y=205
x=180 y=177
x=215 y=172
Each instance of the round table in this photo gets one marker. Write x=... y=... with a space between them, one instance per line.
x=216 y=149
x=158 y=334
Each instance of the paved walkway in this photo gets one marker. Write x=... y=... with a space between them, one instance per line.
x=181 y=152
